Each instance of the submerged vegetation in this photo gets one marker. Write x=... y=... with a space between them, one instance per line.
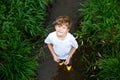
x=22 y=24
x=99 y=31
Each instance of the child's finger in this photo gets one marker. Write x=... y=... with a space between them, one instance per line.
x=58 y=60
x=65 y=62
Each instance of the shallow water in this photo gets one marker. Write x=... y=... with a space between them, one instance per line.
x=77 y=72
x=50 y=70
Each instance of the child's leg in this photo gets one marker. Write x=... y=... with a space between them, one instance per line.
x=61 y=62
x=69 y=65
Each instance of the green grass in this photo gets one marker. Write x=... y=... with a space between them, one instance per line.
x=99 y=29
x=22 y=25
x=109 y=69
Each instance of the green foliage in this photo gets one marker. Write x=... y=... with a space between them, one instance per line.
x=101 y=18
x=16 y=62
x=109 y=69
x=11 y=42
x=99 y=29
x=28 y=16
x=22 y=23
x=17 y=67
x=100 y=25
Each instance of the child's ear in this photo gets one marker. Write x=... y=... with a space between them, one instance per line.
x=55 y=26
x=68 y=29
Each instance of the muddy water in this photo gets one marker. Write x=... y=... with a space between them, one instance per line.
x=65 y=7
x=50 y=70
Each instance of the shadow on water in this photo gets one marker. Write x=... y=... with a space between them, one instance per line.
x=50 y=70
x=63 y=74
x=76 y=73
x=80 y=68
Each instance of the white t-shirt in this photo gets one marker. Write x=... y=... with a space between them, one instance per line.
x=62 y=48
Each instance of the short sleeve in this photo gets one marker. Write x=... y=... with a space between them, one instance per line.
x=74 y=43
x=48 y=39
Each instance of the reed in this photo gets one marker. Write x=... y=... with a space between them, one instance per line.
x=22 y=24
x=109 y=68
x=99 y=29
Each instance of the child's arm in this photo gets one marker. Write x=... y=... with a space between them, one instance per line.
x=53 y=53
x=70 y=55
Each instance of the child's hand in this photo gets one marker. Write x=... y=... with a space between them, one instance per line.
x=67 y=61
x=56 y=59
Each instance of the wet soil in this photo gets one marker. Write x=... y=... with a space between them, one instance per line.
x=65 y=7
x=49 y=70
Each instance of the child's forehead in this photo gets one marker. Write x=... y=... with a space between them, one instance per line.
x=62 y=25
x=65 y=24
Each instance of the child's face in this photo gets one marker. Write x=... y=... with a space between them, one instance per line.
x=61 y=30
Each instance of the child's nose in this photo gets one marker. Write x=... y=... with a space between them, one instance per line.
x=60 y=28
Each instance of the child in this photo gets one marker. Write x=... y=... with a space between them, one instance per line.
x=61 y=43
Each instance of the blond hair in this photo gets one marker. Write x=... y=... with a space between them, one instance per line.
x=63 y=20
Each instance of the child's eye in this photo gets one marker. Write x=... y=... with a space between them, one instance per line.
x=59 y=26
x=64 y=27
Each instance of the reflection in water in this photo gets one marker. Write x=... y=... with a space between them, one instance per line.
x=51 y=71
x=63 y=74
x=77 y=72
